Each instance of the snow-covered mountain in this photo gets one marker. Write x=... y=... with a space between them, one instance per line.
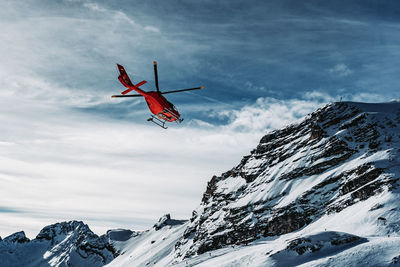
x=320 y=192
x=341 y=159
x=61 y=244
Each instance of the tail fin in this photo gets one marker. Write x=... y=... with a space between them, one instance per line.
x=123 y=77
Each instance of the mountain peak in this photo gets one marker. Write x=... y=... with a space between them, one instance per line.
x=18 y=237
x=61 y=229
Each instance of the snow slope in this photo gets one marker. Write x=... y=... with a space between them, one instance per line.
x=151 y=247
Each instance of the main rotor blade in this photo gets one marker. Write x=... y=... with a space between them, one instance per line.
x=126 y=95
x=182 y=90
x=156 y=75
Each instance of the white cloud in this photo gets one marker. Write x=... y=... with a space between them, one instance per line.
x=269 y=114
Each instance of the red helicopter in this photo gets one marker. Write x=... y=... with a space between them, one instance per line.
x=162 y=109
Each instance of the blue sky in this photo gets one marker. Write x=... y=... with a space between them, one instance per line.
x=69 y=151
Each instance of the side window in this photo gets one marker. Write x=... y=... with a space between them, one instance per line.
x=171 y=105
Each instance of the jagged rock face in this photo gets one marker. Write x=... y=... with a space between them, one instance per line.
x=18 y=237
x=337 y=156
x=67 y=243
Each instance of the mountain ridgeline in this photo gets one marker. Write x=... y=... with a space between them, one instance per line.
x=322 y=191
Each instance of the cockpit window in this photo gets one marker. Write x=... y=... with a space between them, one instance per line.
x=171 y=105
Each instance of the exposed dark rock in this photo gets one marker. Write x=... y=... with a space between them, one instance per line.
x=249 y=177
x=315 y=169
x=360 y=119
x=288 y=222
x=396 y=260
x=316 y=132
x=120 y=234
x=376 y=207
x=365 y=174
x=316 y=242
x=382 y=220
x=211 y=186
x=166 y=220
x=18 y=237
x=344 y=240
x=302 y=245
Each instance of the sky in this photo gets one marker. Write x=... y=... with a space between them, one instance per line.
x=68 y=151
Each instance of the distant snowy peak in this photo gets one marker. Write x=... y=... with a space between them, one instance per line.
x=67 y=243
x=336 y=157
x=18 y=237
x=76 y=237
x=60 y=230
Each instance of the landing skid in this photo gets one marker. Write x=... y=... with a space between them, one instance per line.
x=157 y=121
